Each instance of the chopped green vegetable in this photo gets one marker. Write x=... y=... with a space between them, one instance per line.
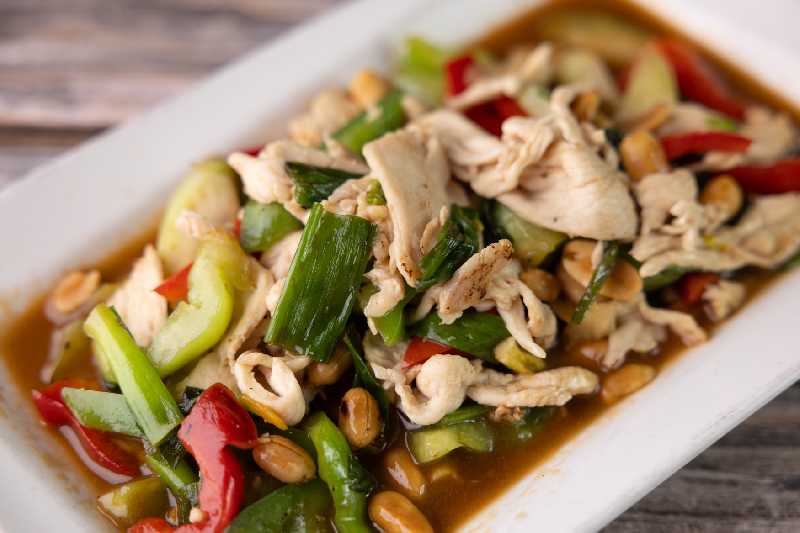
x=209 y=189
x=513 y=357
x=666 y=277
x=366 y=127
x=532 y=243
x=322 y=284
x=179 y=477
x=793 y=262
x=420 y=69
x=195 y=326
x=465 y=413
x=292 y=508
x=375 y=193
x=104 y=411
x=529 y=425
x=474 y=333
x=69 y=347
x=392 y=326
x=611 y=250
x=651 y=82
x=432 y=443
x=126 y=504
x=720 y=122
x=265 y=224
x=314 y=184
x=348 y=481
x=155 y=410
x=458 y=240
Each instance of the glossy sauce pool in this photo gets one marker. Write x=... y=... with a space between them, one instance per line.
x=479 y=477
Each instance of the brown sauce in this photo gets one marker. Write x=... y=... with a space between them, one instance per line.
x=480 y=477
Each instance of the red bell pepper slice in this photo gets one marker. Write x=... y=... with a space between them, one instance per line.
x=693 y=285
x=176 y=287
x=99 y=446
x=420 y=350
x=216 y=422
x=456 y=74
x=679 y=145
x=698 y=81
x=778 y=178
x=237 y=227
x=252 y=151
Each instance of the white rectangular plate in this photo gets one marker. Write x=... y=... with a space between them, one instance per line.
x=82 y=206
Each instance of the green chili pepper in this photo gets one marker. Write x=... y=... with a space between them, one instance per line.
x=366 y=127
x=195 y=326
x=128 y=503
x=314 y=184
x=348 y=481
x=105 y=411
x=155 y=410
x=265 y=224
x=611 y=252
x=474 y=333
x=292 y=508
x=322 y=284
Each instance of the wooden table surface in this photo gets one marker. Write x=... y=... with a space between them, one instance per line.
x=71 y=68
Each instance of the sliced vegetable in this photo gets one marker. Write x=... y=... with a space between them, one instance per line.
x=392 y=326
x=179 y=477
x=69 y=347
x=98 y=445
x=126 y=504
x=155 y=410
x=513 y=357
x=209 y=189
x=666 y=277
x=420 y=350
x=530 y=424
x=682 y=144
x=535 y=100
x=322 y=285
x=435 y=442
x=366 y=127
x=198 y=324
x=474 y=333
x=265 y=224
x=419 y=70
x=215 y=423
x=296 y=508
x=103 y=411
x=456 y=74
x=611 y=251
x=694 y=284
x=698 y=81
x=347 y=480
x=792 y=263
x=314 y=184
x=651 y=82
x=777 y=178
x=465 y=413
x=532 y=243
x=721 y=123
x=176 y=287
x=375 y=193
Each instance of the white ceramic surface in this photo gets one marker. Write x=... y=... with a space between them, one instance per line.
x=84 y=205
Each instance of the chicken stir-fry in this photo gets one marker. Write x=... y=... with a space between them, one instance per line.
x=426 y=247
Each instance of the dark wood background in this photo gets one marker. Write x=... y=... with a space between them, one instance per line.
x=71 y=68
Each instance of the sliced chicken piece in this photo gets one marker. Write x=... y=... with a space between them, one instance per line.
x=378 y=353
x=413 y=173
x=682 y=324
x=550 y=387
x=284 y=394
x=632 y=335
x=722 y=299
x=193 y=224
x=531 y=67
x=441 y=384
x=391 y=290
x=278 y=258
x=265 y=178
x=327 y=112
x=687 y=118
x=143 y=311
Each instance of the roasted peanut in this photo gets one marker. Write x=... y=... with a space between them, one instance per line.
x=642 y=154
x=626 y=380
x=652 y=119
x=318 y=374
x=74 y=290
x=367 y=87
x=723 y=191
x=359 y=418
x=405 y=473
x=394 y=513
x=622 y=284
x=544 y=285
x=284 y=460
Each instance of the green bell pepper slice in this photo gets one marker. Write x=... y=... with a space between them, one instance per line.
x=104 y=411
x=366 y=127
x=128 y=503
x=296 y=508
x=265 y=224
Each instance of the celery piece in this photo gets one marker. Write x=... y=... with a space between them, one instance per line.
x=155 y=410
x=195 y=326
x=322 y=284
x=209 y=189
x=474 y=333
x=435 y=442
x=611 y=252
x=104 y=411
x=128 y=503
x=314 y=184
x=532 y=243
x=366 y=127
x=265 y=224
